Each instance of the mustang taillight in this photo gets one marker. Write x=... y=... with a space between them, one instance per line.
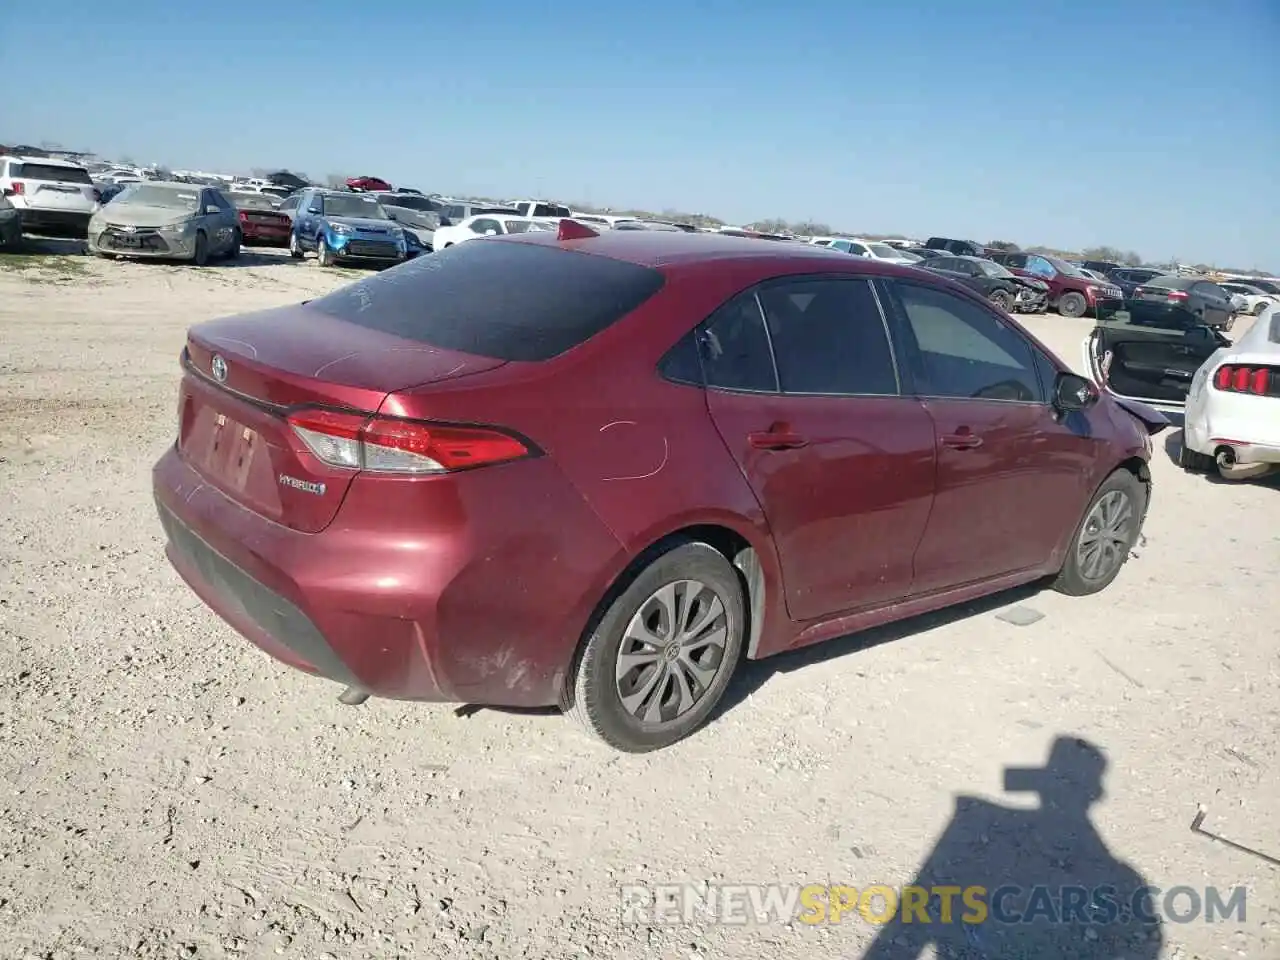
x=362 y=441
x=1240 y=378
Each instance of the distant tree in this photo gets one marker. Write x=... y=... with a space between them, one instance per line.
x=1008 y=245
x=1132 y=259
x=50 y=145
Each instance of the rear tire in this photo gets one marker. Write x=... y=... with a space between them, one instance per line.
x=1106 y=533
x=690 y=586
x=1192 y=461
x=1073 y=305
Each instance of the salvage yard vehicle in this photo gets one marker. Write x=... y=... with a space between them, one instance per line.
x=1130 y=278
x=1205 y=300
x=10 y=225
x=51 y=196
x=1149 y=351
x=1003 y=288
x=416 y=214
x=1071 y=293
x=343 y=227
x=1256 y=299
x=162 y=220
x=492 y=225
x=1233 y=409
x=598 y=470
x=261 y=224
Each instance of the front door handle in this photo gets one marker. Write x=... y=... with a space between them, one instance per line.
x=961 y=440
x=777 y=437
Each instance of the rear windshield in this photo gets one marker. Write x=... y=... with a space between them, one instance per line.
x=1169 y=282
x=50 y=172
x=507 y=300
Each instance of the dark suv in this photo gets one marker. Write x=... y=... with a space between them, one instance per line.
x=961 y=248
x=1129 y=279
x=1071 y=293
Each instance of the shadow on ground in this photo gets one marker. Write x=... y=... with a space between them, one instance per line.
x=1053 y=890
x=753 y=674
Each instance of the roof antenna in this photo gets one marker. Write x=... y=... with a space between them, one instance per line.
x=573 y=230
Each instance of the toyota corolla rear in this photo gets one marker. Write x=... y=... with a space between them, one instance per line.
x=352 y=491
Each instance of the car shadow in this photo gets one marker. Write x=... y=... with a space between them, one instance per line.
x=1047 y=884
x=754 y=674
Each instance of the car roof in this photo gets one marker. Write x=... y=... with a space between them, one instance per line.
x=49 y=161
x=672 y=250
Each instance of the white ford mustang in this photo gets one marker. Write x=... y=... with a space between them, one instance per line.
x=1233 y=407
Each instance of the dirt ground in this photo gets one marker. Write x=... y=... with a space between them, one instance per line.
x=168 y=791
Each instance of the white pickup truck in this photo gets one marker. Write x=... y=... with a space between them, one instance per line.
x=542 y=209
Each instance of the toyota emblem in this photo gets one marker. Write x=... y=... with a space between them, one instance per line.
x=218 y=367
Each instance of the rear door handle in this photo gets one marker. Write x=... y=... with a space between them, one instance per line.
x=961 y=441
x=775 y=439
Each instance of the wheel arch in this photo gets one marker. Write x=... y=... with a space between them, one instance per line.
x=744 y=555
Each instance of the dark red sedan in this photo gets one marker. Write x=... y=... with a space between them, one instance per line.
x=599 y=471
x=261 y=224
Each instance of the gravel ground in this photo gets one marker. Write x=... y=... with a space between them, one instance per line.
x=168 y=791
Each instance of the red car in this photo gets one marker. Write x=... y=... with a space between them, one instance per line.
x=1071 y=293
x=261 y=225
x=368 y=184
x=597 y=471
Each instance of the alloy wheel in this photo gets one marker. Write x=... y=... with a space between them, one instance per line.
x=671 y=652
x=1106 y=536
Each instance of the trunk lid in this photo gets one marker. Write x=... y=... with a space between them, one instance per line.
x=243 y=374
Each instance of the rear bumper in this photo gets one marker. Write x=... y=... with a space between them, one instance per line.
x=447 y=589
x=35 y=218
x=274 y=236
x=1251 y=424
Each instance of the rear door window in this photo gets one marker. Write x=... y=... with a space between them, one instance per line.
x=507 y=301
x=734 y=346
x=829 y=338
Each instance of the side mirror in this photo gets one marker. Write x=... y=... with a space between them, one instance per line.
x=315 y=210
x=491 y=232
x=213 y=208
x=1072 y=392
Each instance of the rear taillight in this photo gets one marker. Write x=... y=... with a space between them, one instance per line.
x=244 y=217
x=362 y=441
x=1178 y=295
x=1244 y=379
x=18 y=188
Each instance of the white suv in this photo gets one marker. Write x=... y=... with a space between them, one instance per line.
x=52 y=196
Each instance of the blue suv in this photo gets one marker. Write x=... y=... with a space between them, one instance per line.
x=345 y=227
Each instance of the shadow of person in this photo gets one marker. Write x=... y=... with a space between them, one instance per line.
x=1052 y=889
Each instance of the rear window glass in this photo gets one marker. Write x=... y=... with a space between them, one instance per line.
x=505 y=300
x=51 y=172
x=1170 y=283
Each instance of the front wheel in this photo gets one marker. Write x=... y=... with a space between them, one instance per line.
x=234 y=251
x=323 y=254
x=1073 y=305
x=1259 y=308
x=660 y=658
x=295 y=251
x=201 y=256
x=1002 y=299
x=1101 y=543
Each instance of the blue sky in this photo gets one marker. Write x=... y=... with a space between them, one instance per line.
x=1152 y=126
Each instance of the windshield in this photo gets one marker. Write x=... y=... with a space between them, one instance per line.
x=410 y=202
x=994 y=270
x=151 y=195
x=336 y=205
x=252 y=201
